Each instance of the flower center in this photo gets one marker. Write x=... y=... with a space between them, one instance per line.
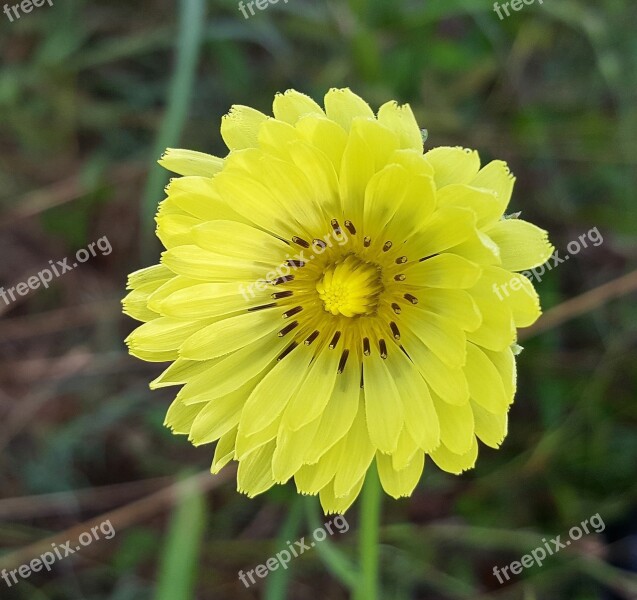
x=350 y=287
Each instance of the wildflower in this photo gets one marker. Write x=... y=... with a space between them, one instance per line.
x=373 y=333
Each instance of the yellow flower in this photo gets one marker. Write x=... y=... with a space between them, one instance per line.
x=331 y=297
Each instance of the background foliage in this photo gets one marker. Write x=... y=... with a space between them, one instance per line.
x=90 y=94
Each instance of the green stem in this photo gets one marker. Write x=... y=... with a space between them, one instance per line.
x=368 y=540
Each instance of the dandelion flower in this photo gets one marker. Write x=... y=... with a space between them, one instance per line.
x=332 y=297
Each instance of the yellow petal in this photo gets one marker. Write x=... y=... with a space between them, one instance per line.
x=522 y=244
x=453 y=165
x=446 y=227
x=314 y=390
x=273 y=393
x=230 y=334
x=490 y=429
x=327 y=136
x=485 y=383
x=456 y=305
x=483 y=202
x=240 y=127
x=421 y=420
x=196 y=263
x=356 y=456
x=232 y=371
x=401 y=120
x=343 y=105
x=292 y=105
x=224 y=451
x=339 y=504
x=189 y=162
x=384 y=407
x=449 y=383
x=496 y=176
x=456 y=425
x=254 y=475
x=340 y=411
x=310 y=479
x=442 y=336
x=452 y=462
x=179 y=417
x=444 y=271
x=291 y=447
x=399 y=484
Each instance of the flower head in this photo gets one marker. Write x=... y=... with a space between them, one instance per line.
x=331 y=297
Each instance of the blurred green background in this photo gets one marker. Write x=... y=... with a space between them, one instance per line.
x=92 y=92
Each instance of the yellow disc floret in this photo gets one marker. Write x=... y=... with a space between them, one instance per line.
x=350 y=287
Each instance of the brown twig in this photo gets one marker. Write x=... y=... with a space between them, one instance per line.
x=122 y=518
x=582 y=304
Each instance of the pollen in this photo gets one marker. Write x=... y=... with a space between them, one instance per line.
x=350 y=287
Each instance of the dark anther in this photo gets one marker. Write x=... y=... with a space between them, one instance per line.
x=262 y=307
x=400 y=277
x=335 y=226
x=396 y=308
x=366 y=350
x=287 y=350
x=288 y=328
x=280 y=280
x=383 y=348
x=319 y=243
x=367 y=241
x=294 y=311
x=411 y=298
x=301 y=242
x=294 y=263
x=311 y=337
x=350 y=227
x=401 y=260
x=337 y=336
x=343 y=361
x=387 y=246
x=395 y=330
x=286 y=294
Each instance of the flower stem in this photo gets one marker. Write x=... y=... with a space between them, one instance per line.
x=368 y=537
